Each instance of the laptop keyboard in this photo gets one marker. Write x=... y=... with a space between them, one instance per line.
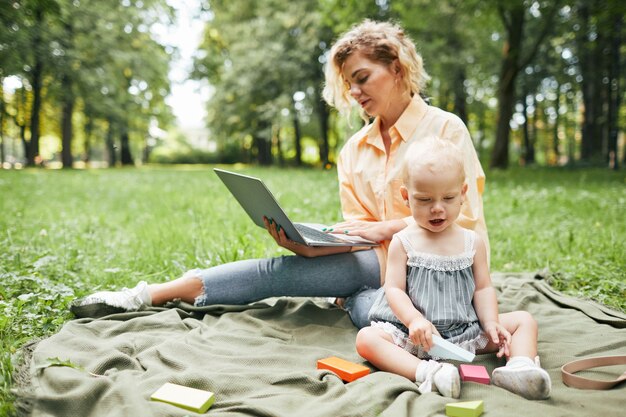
x=315 y=235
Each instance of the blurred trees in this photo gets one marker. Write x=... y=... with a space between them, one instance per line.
x=506 y=68
x=522 y=37
x=536 y=81
x=267 y=58
x=92 y=61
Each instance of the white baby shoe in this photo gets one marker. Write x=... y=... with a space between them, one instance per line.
x=439 y=377
x=524 y=377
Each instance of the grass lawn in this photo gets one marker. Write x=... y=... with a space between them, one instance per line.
x=64 y=234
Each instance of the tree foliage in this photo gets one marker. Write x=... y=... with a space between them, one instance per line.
x=536 y=81
x=96 y=56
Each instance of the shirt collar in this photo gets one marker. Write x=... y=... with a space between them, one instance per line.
x=405 y=125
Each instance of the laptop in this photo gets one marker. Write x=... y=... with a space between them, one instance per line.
x=257 y=200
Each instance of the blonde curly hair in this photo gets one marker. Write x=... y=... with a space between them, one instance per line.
x=382 y=42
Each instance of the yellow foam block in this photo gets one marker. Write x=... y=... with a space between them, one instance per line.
x=348 y=371
x=191 y=399
x=464 y=409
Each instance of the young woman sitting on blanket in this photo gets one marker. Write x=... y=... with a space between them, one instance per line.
x=437 y=282
x=376 y=66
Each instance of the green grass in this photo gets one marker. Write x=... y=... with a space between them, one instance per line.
x=67 y=233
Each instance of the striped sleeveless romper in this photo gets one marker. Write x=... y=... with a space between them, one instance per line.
x=441 y=288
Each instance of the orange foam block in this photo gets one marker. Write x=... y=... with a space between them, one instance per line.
x=464 y=409
x=347 y=371
x=475 y=373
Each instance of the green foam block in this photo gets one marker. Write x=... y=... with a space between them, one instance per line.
x=464 y=409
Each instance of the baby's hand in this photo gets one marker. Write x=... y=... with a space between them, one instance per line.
x=421 y=333
x=500 y=337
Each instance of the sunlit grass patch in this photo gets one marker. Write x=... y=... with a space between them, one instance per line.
x=571 y=223
x=65 y=234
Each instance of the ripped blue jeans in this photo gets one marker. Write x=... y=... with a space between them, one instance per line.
x=353 y=275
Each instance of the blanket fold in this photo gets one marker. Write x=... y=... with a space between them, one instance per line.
x=260 y=360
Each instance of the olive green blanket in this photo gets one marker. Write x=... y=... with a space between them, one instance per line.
x=260 y=360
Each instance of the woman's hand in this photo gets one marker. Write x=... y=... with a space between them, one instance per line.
x=421 y=332
x=279 y=235
x=499 y=336
x=374 y=231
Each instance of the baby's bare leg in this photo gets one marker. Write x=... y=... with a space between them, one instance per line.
x=378 y=348
x=523 y=329
x=522 y=373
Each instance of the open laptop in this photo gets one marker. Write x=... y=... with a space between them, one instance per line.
x=257 y=200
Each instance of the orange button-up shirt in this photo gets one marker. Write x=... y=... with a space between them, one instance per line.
x=370 y=180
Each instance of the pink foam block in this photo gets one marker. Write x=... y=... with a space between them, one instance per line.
x=475 y=373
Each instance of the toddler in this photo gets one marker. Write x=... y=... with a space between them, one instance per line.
x=437 y=282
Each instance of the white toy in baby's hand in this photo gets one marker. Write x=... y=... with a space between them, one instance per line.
x=446 y=350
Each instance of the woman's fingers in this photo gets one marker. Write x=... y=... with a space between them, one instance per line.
x=275 y=230
x=282 y=236
x=267 y=222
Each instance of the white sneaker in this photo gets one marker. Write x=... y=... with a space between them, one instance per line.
x=109 y=302
x=524 y=377
x=439 y=377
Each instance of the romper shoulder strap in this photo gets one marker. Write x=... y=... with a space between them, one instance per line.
x=470 y=239
x=406 y=244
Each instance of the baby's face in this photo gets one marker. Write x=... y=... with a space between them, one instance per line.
x=435 y=198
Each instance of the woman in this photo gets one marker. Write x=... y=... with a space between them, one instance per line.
x=375 y=65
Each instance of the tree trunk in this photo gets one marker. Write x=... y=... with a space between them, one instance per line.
x=506 y=101
x=264 y=150
x=32 y=158
x=572 y=103
x=20 y=107
x=110 y=144
x=614 y=91
x=68 y=101
x=262 y=142
x=557 y=120
x=506 y=86
x=66 y=122
x=513 y=15
x=482 y=129
x=66 y=134
x=323 y=114
x=460 y=96
x=279 y=147
x=125 y=157
x=33 y=146
x=297 y=136
x=535 y=132
x=25 y=143
x=529 y=149
x=88 y=134
x=590 y=56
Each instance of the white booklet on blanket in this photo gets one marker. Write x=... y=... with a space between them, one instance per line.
x=446 y=350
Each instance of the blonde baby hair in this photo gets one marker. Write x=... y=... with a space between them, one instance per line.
x=435 y=155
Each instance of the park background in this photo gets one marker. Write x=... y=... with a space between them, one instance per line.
x=137 y=112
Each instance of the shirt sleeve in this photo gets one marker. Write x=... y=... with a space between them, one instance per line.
x=351 y=206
